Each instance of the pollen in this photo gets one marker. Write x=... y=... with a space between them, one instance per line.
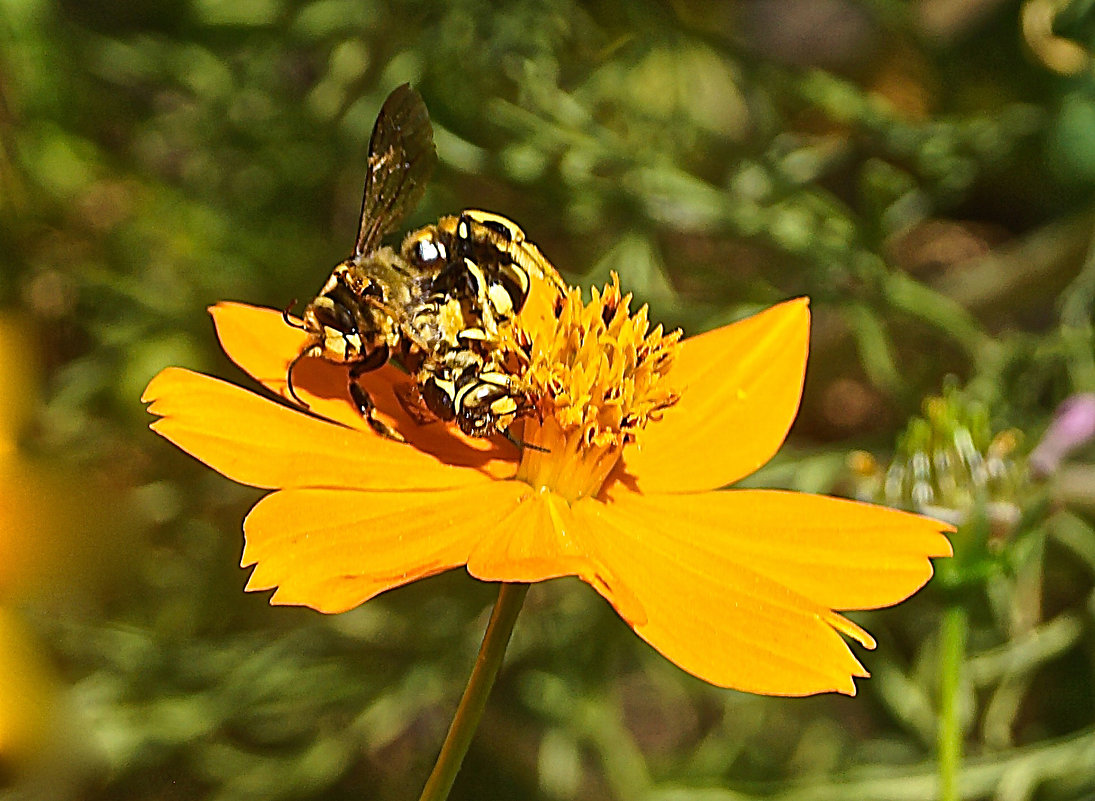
x=599 y=375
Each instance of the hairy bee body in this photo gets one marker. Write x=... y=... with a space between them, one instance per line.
x=491 y=275
x=361 y=308
x=439 y=304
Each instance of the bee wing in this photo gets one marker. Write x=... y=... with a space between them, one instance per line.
x=401 y=159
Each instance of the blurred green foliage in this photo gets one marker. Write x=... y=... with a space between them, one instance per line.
x=923 y=170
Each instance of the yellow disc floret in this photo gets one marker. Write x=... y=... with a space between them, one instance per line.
x=598 y=374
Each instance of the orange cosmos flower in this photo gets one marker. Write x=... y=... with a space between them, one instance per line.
x=639 y=433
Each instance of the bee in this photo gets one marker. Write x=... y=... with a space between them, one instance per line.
x=438 y=304
x=493 y=275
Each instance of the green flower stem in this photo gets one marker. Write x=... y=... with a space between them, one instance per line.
x=953 y=646
x=470 y=710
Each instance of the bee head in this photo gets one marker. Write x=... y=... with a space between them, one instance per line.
x=485 y=407
x=331 y=322
x=331 y=327
x=332 y=331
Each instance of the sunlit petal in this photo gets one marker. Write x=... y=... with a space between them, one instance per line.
x=719 y=619
x=740 y=387
x=541 y=539
x=261 y=443
x=333 y=549
x=840 y=554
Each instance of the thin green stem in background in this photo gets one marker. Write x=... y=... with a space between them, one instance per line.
x=953 y=646
x=474 y=701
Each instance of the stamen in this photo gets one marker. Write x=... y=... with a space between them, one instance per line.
x=597 y=374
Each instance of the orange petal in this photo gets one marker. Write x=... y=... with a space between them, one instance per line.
x=838 y=553
x=541 y=539
x=740 y=387
x=263 y=345
x=257 y=339
x=334 y=549
x=717 y=618
x=261 y=443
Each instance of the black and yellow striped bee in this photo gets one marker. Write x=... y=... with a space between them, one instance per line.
x=438 y=304
x=492 y=276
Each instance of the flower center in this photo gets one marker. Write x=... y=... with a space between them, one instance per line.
x=597 y=374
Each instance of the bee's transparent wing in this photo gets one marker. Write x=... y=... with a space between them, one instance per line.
x=401 y=159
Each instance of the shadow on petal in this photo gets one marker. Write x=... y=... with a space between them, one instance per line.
x=261 y=443
x=263 y=345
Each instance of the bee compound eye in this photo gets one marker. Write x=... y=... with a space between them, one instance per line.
x=437 y=395
x=336 y=317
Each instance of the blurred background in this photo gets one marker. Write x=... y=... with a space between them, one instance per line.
x=923 y=170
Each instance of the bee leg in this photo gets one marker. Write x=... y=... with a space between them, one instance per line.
x=374 y=361
x=367 y=409
x=410 y=398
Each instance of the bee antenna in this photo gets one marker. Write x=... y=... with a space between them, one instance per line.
x=520 y=443
x=289 y=378
x=289 y=322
